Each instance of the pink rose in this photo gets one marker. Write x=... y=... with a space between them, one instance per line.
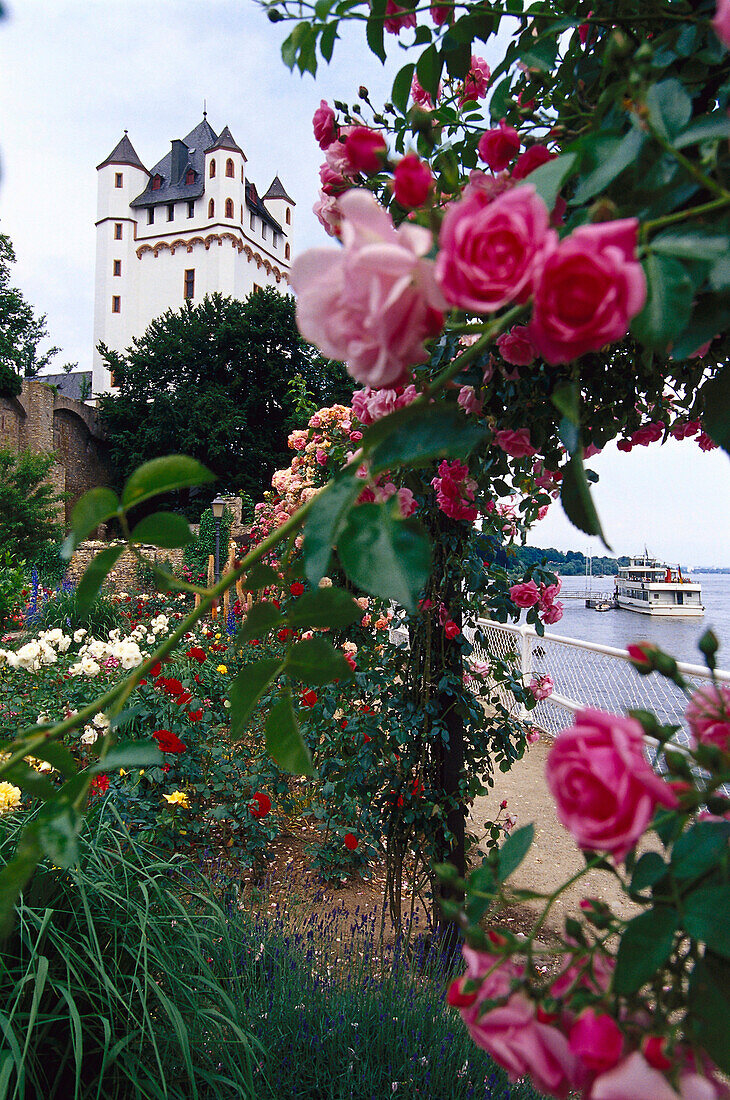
x=708 y=716
x=591 y=451
x=553 y=614
x=455 y=491
x=407 y=502
x=323 y=124
x=596 y=1040
x=333 y=183
x=650 y=433
x=476 y=81
x=524 y=595
x=634 y=1079
x=541 y=687
x=469 y=401
x=370 y=405
x=705 y=442
x=328 y=213
x=685 y=429
x=511 y=1032
x=419 y=95
x=604 y=789
x=398 y=18
x=373 y=302
x=321 y=457
x=497 y=147
x=366 y=150
x=490 y=249
x=412 y=181
x=721 y=21
x=588 y=290
x=515 y=346
x=531 y=159
x=515 y=443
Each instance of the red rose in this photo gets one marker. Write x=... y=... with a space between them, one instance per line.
x=172 y=686
x=195 y=715
x=263 y=805
x=155 y=670
x=413 y=181
x=531 y=159
x=196 y=654
x=451 y=630
x=99 y=785
x=184 y=698
x=366 y=150
x=351 y=842
x=296 y=588
x=497 y=147
x=308 y=698
x=284 y=634
x=168 y=741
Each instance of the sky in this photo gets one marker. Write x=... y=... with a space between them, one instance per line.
x=76 y=73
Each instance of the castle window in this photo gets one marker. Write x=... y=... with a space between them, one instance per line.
x=276 y=239
x=191 y=209
x=170 y=211
x=189 y=288
x=117 y=231
x=211 y=170
x=229 y=208
x=252 y=221
x=118 y=179
x=243 y=178
x=150 y=215
x=241 y=213
x=116 y=304
x=117 y=267
x=263 y=230
x=156 y=182
x=211 y=209
x=189 y=176
x=229 y=168
x=287 y=252
x=288 y=216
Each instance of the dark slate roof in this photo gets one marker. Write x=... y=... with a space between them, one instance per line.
x=123 y=153
x=253 y=202
x=170 y=190
x=226 y=140
x=77 y=384
x=276 y=191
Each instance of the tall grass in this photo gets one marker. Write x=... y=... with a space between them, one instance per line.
x=62 y=610
x=106 y=985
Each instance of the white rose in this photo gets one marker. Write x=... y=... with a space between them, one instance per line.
x=78 y=634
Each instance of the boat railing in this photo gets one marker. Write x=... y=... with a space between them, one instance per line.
x=584 y=674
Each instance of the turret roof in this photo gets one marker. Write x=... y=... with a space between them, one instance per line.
x=253 y=202
x=197 y=141
x=276 y=191
x=226 y=140
x=123 y=153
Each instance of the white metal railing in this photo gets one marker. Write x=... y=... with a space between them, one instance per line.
x=584 y=674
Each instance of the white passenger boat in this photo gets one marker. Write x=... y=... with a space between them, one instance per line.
x=651 y=587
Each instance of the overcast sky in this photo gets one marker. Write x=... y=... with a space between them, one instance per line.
x=76 y=73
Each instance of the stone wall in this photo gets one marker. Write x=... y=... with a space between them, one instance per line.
x=125 y=576
x=43 y=421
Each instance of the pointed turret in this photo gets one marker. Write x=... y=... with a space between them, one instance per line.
x=123 y=153
x=277 y=191
x=226 y=140
x=280 y=206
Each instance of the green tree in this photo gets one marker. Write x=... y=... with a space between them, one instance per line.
x=21 y=331
x=214 y=381
x=29 y=513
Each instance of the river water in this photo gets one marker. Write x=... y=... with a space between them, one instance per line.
x=619 y=628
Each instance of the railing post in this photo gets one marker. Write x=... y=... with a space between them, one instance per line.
x=526 y=654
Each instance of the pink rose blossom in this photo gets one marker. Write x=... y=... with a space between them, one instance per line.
x=604 y=789
x=650 y=433
x=490 y=250
x=702 y=350
x=469 y=401
x=366 y=150
x=596 y=1040
x=705 y=442
x=323 y=124
x=407 y=501
x=455 y=491
x=398 y=18
x=515 y=443
x=442 y=13
x=543 y=511
x=333 y=183
x=524 y=595
x=321 y=456
x=589 y=289
x=328 y=213
x=419 y=95
x=708 y=716
x=412 y=181
x=476 y=81
x=532 y=736
x=721 y=21
x=497 y=147
x=541 y=687
x=515 y=346
x=370 y=405
x=684 y=429
x=373 y=303
x=335 y=155
x=552 y=614
x=634 y=1079
x=451 y=630
x=591 y=451
x=532 y=158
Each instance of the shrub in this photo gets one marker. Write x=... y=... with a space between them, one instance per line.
x=50 y=565
x=196 y=554
x=29 y=516
x=12 y=579
x=106 y=984
x=62 y=610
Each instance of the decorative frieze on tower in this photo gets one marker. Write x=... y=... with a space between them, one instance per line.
x=191 y=225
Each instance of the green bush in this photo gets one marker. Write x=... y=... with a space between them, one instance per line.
x=196 y=554
x=106 y=984
x=50 y=565
x=29 y=517
x=12 y=581
x=62 y=610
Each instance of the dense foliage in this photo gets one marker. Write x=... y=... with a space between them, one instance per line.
x=569 y=563
x=29 y=506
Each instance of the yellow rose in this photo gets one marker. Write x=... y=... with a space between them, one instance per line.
x=222 y=669
x=9 y=797
x=177 y=798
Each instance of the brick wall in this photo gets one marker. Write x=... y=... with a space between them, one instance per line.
x=125 y=575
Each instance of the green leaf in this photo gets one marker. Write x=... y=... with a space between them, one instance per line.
x=691 y=243
x=501 y=101
x=316 y=661
x=650 y=868
x=576 y=499
x=57 y=829
x=261 y=576
x=428 y=71
x=670 y=108
x=716 y=419
x=247 y=689
x=327 y=41
x=668 y=302
x=514 y=850
x=569 y=434
x=646 y=944
x=324 y=523
x=93 y=508
x=28 y=779
x=716 y=125
x=166 y=529
x=260 y=620
x=612 y=163
x=709 y=1020
x=700 y=848
x=96 y=571
x=707 y=917
x=402 y=87
x=284 y=741
x=458 y=59
x=385 y=555
x=129 y=754
x=15 y=874
x=419 y=436
x=324 y=607
x=163 y=475
x=566 y=399
x=375 y=28
x=549 y=178
x=289 y=50
x=58 y=756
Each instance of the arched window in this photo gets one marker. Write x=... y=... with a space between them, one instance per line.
x=241 y=213
x=211 y=209
x=156 y=183
x=211 y=170
x=189 y=176
x=287 y=252
x=243 y=178
x=229 y=208
x=288 y=216
x=229 y=168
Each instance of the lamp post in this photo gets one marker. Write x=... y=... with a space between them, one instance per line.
x=218 y=505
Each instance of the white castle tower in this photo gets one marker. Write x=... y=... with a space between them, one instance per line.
x=192 y=225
